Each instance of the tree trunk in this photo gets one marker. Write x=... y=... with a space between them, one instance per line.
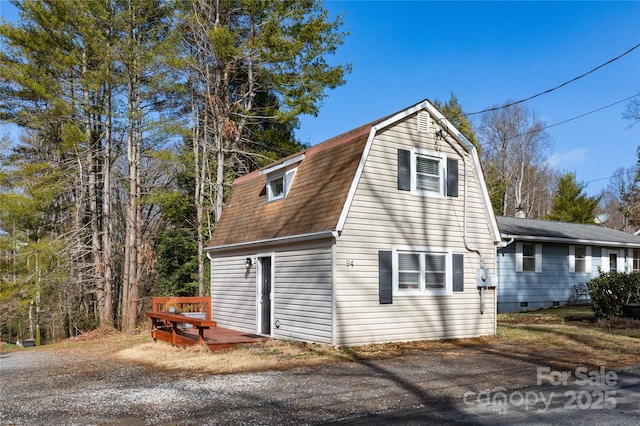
x=105 y=305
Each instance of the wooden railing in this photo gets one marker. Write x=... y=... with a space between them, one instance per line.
x=181 y=305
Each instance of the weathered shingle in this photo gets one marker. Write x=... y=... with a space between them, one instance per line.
x=519 y=227
x=314 y=201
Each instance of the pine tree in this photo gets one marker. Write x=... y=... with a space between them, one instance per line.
x=254 y=67
x=570 y=204
x=452 y=110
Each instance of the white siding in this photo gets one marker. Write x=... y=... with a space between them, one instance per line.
x=301 y=289
x=381 y=217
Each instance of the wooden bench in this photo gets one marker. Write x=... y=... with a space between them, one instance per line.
x=581 y=289
x=163 y=320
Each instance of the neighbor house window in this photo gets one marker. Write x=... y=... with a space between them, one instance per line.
x=613 y=262
x=635 y=263
x=580 y=259
x=428 y=173
x=422 y=271
x=528 y=257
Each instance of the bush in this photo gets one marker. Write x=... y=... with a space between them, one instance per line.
x=611 y=291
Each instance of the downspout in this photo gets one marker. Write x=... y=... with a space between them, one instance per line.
x=441 y=134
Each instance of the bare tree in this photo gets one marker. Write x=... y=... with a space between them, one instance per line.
x=515 y=150
x=632 y=111
x=237 y=52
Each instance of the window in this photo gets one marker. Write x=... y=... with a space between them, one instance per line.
x=580 y=259
x=635 y=263
x=427 y=174
x=528 y=257
x=278 y=185
x=428 y=171
x=422 y=271
x=280 y=177
x=613 y=262
x=275 y=188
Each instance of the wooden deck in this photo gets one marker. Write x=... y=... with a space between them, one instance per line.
x=186 y=321
x=218 y=338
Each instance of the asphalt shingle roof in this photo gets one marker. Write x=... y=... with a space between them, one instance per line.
x=546 y=229
x=314 y=201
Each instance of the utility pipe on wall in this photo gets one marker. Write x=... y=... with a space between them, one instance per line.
x=442 y=135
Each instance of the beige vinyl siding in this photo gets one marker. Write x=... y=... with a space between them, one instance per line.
x=303 y=292
x=382 y=217
x=233 y=293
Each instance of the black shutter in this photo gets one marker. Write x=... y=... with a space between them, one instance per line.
x=385 y=277
x=452 y=177
x=404 y=170
x=458 y=272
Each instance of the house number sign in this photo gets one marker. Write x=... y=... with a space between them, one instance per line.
x=350 y=263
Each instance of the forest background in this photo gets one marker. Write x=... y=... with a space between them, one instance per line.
x=137 y=115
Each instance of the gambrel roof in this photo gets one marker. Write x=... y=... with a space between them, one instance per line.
x=318 y=200
x=564 y=232
x=313 y=204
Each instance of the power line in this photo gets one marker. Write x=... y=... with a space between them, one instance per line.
x=628 y=174
x=573 y=118
x=553 y=88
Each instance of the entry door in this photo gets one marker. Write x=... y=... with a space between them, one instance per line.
x=264 y=326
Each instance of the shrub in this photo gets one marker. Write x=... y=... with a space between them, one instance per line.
x=611 y=291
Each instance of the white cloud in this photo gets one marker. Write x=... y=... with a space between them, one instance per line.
x=568 y=160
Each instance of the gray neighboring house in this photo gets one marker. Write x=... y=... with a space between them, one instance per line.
x=540 y=261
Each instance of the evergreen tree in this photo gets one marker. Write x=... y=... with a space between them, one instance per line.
x=570 y=204
x=452 y=110
x=254 y=67
x=103 y=89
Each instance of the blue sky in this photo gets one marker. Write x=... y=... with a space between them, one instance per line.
x=486 y=53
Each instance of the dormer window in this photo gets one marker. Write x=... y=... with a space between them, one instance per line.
x=280 y=177
x=275 y=188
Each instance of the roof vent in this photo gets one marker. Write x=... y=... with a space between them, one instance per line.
x=520 y=213
x=423 y=122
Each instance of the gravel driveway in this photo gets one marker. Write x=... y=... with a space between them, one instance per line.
x=42 y=387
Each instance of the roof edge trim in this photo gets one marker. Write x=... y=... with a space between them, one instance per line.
x=471 y=149
x=282 y=165
x=365 y=153
x=289 y=239
x=570 y=240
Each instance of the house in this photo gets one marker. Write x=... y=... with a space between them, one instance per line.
x=541 y=261
x=384 y=233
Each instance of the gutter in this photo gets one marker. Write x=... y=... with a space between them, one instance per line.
x=503 y=244
x=281 y=240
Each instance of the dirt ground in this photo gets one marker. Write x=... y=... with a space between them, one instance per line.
x=76 y=387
